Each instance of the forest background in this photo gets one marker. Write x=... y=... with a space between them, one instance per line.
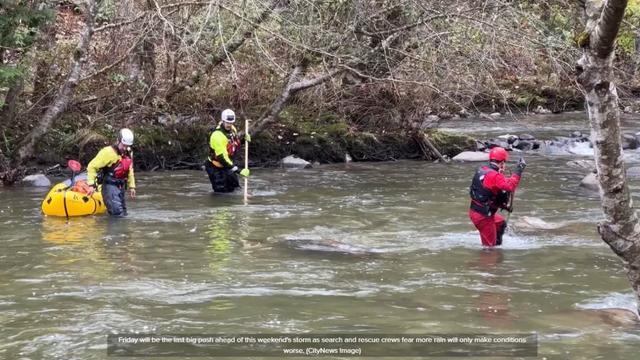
x=318 y=79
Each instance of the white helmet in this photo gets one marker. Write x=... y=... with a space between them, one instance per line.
x=229 y=116
x=126 y=137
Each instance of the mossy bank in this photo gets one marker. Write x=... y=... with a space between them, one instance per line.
x=174 y=142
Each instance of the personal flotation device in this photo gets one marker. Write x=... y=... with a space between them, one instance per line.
x=121 y=170
x=117 y=173
x=233 y=144
x=483 y=200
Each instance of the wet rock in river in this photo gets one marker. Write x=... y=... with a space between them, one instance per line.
x=534 y=223
x=491 y=143
x=510 y=139
x=38 y=180
x=542 y=110
x=590 y=182
x=294 y=162
x=472 y=156
x=330 y=246
x=348 y=158
x=523 y=145
x=629 y=142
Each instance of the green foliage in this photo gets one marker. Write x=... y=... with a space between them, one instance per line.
x=107 y=11
x=626 y=40
x=582 y=39
x=9 y=74
x=20 y=22
x=451 y=144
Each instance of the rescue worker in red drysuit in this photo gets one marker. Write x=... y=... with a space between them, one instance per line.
x=489 y=191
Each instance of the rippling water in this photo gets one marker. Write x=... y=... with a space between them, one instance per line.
x=186 y=261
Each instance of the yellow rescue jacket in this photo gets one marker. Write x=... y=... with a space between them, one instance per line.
x=107 y=157
x=222 y=145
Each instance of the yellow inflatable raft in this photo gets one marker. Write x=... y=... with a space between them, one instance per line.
x=62 y=201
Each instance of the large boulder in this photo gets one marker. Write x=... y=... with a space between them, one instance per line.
x=523 y=145
x=629 y=142
x=534 y=223
x=294 y=162
x=542 y=110
x=509 y=138
x=472 y=156
x=491 y=143
x=526 y=137
x=38 y=180
x=590 y=182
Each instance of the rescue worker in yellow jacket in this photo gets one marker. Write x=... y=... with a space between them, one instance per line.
x=223 y=144
x=113 y=168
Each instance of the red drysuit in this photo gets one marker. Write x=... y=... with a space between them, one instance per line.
x=487 y=184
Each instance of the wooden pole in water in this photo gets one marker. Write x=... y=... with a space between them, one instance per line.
x=246 y=160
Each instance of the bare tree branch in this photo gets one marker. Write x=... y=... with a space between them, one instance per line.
x=62 y=98
x=291 y=87
x=234 y=44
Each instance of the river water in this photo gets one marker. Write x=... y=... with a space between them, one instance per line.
x=188 y=262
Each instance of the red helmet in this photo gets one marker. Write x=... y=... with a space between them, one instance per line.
x=498 y=154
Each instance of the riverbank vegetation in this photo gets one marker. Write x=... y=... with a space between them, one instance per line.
x=317 y=78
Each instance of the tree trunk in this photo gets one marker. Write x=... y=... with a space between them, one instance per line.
x=8 y=112
x=637 y=53
x=620 y=229
x=66 y=91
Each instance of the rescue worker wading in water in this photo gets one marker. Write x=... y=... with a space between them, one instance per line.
x=490 y=190
x=223 y=144
x=113 y=168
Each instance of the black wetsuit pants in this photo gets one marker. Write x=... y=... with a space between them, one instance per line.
x=222 y=180
x=113 y=196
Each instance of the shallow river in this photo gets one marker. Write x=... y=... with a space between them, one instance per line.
x=188 y=262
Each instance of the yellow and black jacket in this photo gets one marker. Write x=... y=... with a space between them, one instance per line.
x=222 y=146
x=109 y=159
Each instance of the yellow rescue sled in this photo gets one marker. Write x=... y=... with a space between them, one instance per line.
x=69 y=198
x=62 y=201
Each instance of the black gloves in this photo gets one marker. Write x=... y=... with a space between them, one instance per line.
x=521 y=165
